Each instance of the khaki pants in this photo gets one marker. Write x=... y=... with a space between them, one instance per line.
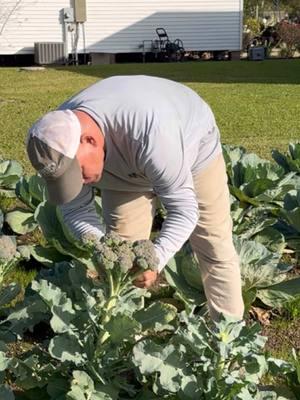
x=131 y=215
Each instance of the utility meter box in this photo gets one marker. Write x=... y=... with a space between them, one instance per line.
x=68 y=14
x=79 y=10
x=257 y=53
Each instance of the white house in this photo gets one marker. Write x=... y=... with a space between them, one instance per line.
x=119 y=26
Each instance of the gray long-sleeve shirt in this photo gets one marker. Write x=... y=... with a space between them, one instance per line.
x=158 y=134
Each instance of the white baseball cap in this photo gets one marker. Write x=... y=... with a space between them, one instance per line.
x=52 y=145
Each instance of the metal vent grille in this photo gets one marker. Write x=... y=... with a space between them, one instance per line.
x=49 y=53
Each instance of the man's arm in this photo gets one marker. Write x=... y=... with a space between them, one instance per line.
x=166 y=167
x=80 y=214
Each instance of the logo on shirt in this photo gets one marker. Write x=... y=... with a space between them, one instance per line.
x=133 y=175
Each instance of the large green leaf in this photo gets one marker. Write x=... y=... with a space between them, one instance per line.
x=277 y=194
x=292 y=200
x=47 y=255
x=67 y=348
x=151 y=358
x=10 y=172
x=254 y=167
x=27 y=314
x=70 y=236
x=83 y=388
x=58 y=387
x=53 y=230
x=259 y=266
x=21 y=221
x=249 y=297
x=31 y=191
x=4 y=360
x=291 y=160
x=257 y=187
x=6 y=393
x=255 y=181
x=272 y=239
x=156 y=316
x=9 y=193
x=9 y=293
x=294 y=149
x=185 y=292
x=243 y=197
x=277 y=295
x=61 y=306
x=252 y=221
x=122 y=327
x=292 y=217
x=190 y=268
x=232 y=156
x=46 y=217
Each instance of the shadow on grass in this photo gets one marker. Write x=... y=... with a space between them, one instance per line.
x=269 y=71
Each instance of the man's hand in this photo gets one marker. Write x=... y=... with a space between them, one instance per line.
x=146 y=279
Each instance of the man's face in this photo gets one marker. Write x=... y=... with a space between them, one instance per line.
x=90 y=156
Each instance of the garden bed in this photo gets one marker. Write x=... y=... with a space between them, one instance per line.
x=162 y=346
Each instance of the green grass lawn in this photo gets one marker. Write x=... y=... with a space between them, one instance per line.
x=257 y=104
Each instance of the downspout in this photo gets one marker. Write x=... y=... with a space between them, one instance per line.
x=241 y=23
x=65 y=40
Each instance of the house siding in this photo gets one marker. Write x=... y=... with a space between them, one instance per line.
x=121 y=26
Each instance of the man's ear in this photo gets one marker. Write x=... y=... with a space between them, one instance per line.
x=87 y=138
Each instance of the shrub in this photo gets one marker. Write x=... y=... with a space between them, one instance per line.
x=252 y=29
x=289 y=35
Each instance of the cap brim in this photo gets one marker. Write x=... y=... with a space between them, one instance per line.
x=66 y=187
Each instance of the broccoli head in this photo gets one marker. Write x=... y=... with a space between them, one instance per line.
x=145 y=256
x=8 y=248
x=125 y=256
x=104 y=255
x=112 y=251
x=112 y=239
x=90 y=239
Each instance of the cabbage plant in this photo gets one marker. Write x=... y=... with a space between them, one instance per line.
x=10 y=173
x=254 y=181
x=258 y=188
x=264 y=276
x=289 y=220
x=289 y=161
x=31 y=192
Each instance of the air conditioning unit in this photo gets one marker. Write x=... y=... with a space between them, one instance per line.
x=257 y=53
x=49 y=53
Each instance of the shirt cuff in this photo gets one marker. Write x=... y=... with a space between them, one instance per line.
x=163 y=257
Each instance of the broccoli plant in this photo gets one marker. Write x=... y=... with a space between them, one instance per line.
x=221 y=362
x=94 y=325
x=119 y=263
x=8 y=255
x=94 y=322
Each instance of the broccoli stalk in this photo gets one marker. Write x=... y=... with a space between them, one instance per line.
x=122 y=262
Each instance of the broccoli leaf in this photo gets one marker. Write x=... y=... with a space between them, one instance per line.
x=21 y=221
x=157 y=316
